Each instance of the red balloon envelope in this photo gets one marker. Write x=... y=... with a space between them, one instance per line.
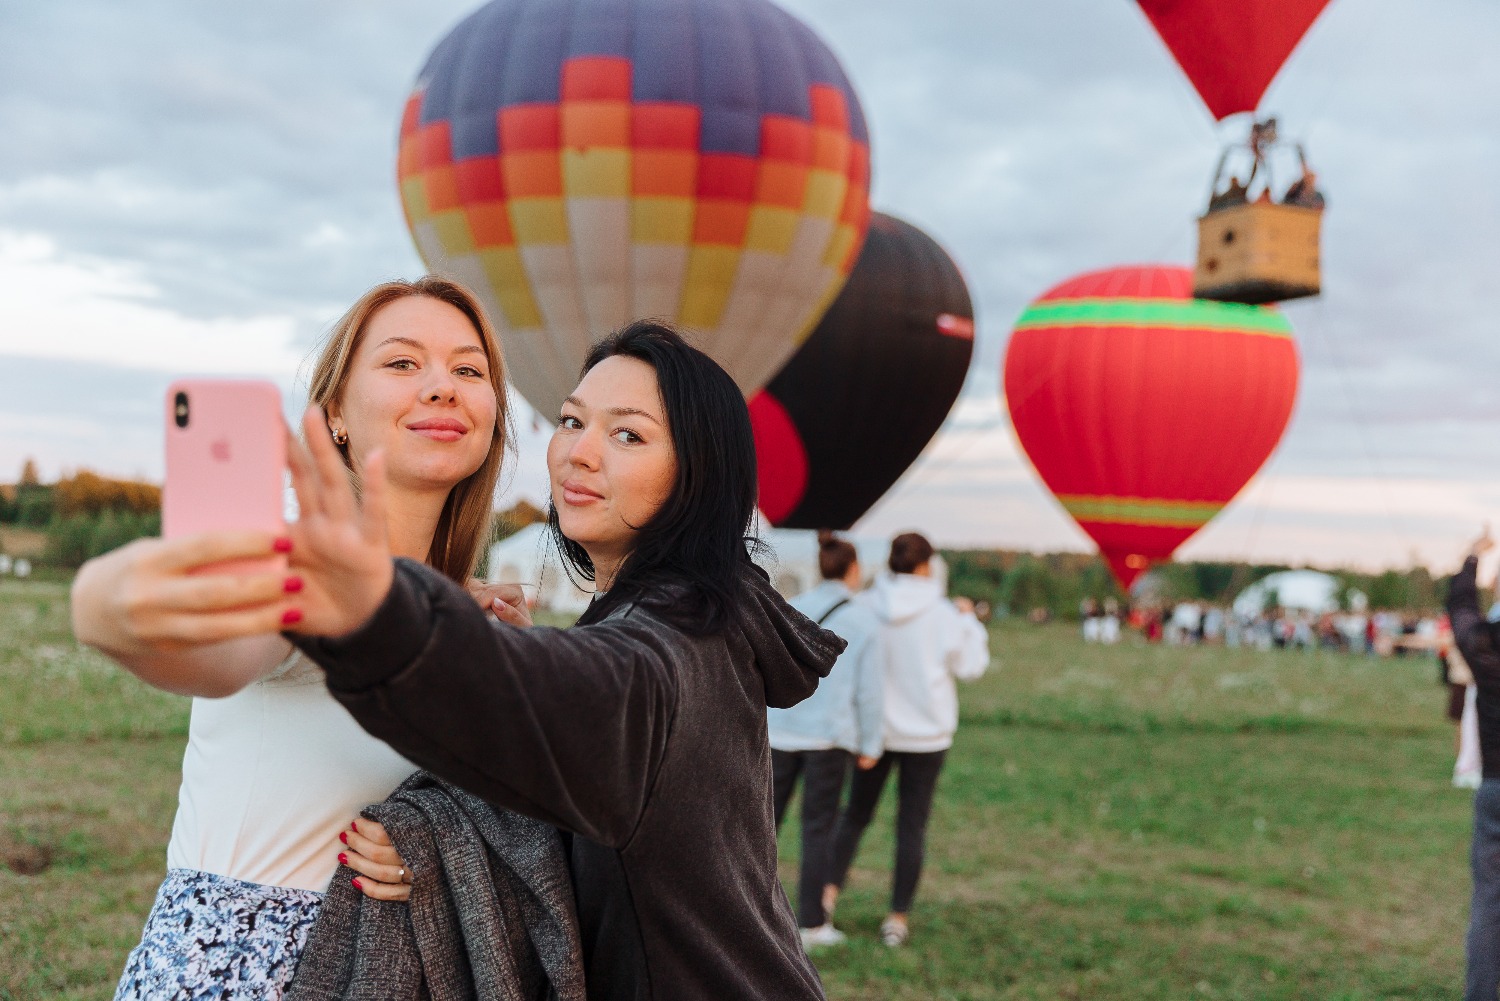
x=1232 y=49
x=1143 y=409
x=860 y=400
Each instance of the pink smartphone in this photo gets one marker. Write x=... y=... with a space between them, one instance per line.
x=226 y=460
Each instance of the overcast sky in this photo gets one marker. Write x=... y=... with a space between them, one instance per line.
x=204 y=187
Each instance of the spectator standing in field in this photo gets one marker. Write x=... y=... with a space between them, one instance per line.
x=817 y=738
x=929 y=642
x=1479 y=642
x=1455 y=676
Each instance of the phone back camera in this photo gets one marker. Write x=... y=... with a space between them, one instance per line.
x=180 y=410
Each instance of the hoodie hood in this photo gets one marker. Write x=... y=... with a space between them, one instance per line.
x=900 y=597
x=792 y=652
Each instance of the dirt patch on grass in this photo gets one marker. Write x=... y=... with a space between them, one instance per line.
x=103 y=812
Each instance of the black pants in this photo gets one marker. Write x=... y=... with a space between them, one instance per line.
x=914 y=789
x=823 y=774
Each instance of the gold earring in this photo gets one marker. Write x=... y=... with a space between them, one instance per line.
x=340 y=436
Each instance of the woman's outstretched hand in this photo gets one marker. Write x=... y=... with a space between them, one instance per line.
x=170 y=612
x=339 y=547
x=148 y=597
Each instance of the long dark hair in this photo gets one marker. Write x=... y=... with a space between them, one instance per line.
x=688 y=560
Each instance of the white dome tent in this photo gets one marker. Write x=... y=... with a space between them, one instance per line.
x=1294 y=590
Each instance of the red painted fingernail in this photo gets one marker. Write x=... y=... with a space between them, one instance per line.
x=356 y=883
x=344 y=836
x=283 y=544
x=292 y=585
x=291 y=617
x=354 y=826
x=343 y=858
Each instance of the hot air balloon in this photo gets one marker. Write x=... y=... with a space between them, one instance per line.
x=859 y=401
x=581 y=165
x=1144 y=410
x=1231 y=50
x=1250 y=249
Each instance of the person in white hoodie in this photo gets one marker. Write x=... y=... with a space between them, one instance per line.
x=841 y=722
x=929 y=642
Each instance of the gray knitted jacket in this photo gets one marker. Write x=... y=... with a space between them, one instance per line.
x=491 y=913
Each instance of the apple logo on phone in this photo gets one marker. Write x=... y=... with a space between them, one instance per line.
x=219 y=449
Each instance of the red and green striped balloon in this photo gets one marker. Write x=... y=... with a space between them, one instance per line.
x=1144 y=410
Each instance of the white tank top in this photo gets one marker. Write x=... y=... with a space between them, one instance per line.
x=271 y=775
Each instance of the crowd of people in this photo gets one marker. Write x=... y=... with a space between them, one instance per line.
x=572 y=813
x=1197 y=623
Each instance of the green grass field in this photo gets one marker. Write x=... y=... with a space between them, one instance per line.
x=1125 y=823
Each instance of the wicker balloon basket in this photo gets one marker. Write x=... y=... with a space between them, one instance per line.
x=1258 y=252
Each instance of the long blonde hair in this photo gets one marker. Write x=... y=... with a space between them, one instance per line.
x=464 y=524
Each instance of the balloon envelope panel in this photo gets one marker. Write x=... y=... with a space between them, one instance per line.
x=870 y=387
x=1144 y=410
x=1231 y=50
x=585 y=164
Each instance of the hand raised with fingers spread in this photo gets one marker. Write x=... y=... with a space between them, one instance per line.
x=339 y=550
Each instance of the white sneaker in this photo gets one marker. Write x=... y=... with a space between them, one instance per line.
x=821 y=936
x=894 y=933
x=1468 y=780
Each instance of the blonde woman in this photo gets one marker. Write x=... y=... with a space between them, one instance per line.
x=275 y=769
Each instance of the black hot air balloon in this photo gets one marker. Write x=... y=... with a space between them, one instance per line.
x=858 y=402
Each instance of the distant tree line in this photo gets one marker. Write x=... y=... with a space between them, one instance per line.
x=1018 y=583
x=82 y=514
x=85 y=514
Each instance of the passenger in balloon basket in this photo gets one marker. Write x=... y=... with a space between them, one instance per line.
x=1479 y=642
x=1304 y=191
x=930 y=642
x=842 y=722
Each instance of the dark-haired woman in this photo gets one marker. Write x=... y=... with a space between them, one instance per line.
x=929 y=642
x=641 y=731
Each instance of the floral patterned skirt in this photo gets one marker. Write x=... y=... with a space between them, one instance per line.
x=210 y=936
